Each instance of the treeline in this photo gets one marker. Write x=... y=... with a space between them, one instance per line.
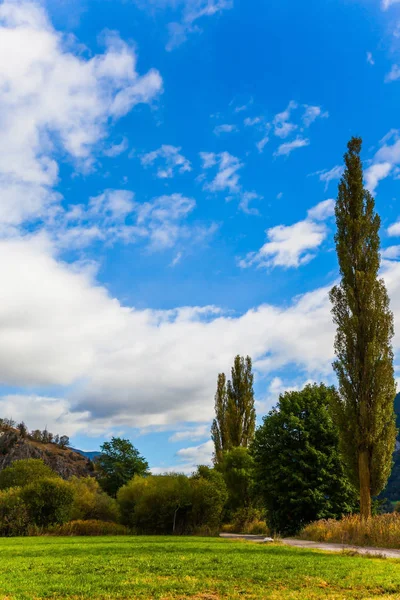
x=44 y=436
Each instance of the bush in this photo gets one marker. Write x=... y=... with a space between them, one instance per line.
x=49 y=502
x=91 y=503
x=24 y=472
x=249 y=520
x=14 y=517
x=156 y=504
x=174 y=503
x=382 y=531
x=89 y=528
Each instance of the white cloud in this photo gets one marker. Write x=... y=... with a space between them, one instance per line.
x=172 y=161
x=53 y=101
x=392 y=252
x=192 y=12
x=330 y=175
x=288 y=147
x=311 y=113
x=375 y=173
x=227 y=176
x=282 y=126
x=262 y=143
x=194 y=434
x=393 y=75
x=226 y=128
x=252 y=121
x=394 y=230
x=370 y=59
x=292 y=245
x=116 y=149
x=246 y=198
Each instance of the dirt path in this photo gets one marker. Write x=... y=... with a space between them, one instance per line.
x=387 y=552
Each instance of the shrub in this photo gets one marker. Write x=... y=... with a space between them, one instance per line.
x=91 y=503
x=382 y=531
x=24 y=472
x=208 y=498
x=49 y=501
x=156 y=504
x=14 y=517
x=249 y=520
x=89 y=528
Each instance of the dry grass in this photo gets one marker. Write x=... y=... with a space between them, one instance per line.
x=382 y=531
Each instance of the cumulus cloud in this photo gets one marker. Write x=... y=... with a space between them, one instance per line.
x=312 y=113
x=244 y=204
x=375 y=173
x=116 y=149
x=292 y=245
x=387 y=3
x=370 y=59
x=394 y=230
x=171 y=159
x=55 y=101
x=328 y=175
x=282 y=126
x=287 y=148
x=393 y=75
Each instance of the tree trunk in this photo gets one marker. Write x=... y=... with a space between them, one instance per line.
x=365 y=484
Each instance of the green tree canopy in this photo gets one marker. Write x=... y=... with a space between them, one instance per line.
x=235 y=415
x=364 y=408
x=49 y=501
x=297 y=464
x=118 y=463
x=237 y=468
x=23 y=472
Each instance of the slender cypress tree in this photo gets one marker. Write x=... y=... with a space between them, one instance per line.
x=364 y=408
x=235 y=415
x=219 y=428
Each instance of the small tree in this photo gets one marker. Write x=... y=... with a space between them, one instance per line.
x=298 y=469
x=364 y=408
x=23 y=430
x=118 y=463
x=49 y=501
x=63 y=441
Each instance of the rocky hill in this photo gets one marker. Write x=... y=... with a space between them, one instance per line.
x=63 y=461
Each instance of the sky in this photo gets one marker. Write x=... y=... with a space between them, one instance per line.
x=168 y=172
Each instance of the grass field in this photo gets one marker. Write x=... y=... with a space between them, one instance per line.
x=196 y=568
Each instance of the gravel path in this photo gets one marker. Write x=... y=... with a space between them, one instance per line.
x=387 y=552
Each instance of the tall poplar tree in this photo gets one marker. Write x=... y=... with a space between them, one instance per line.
x=364 y=408
x=219 y=426
x=235 y=415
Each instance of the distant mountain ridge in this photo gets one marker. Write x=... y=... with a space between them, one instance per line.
x=91 y=455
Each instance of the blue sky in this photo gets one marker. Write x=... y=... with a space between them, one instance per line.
x=168 y=170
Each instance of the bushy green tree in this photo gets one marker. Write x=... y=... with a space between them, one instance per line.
x=235 y=415
x=237 y=468
x=118 y=462
x=23 y=472
x=364 y=365
x=208 y=499
x=48 y=501
x=298 y=469
x=91 y=502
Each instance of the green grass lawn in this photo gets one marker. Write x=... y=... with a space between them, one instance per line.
x=197 y=568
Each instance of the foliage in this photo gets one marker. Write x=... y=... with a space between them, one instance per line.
x=192 y=568
x=248 y=520
x=49 y=501
x=235 y=415
x=14 y=518
x=24 y=472
x=88 y=528
x=118 y=462
x=364 y=364
x=174 y=503
x=381 y=531
x=297 y=466
x=90 y=502
x=237 y=468
x=155 y=504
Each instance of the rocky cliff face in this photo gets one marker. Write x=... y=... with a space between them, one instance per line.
x=63 y=461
